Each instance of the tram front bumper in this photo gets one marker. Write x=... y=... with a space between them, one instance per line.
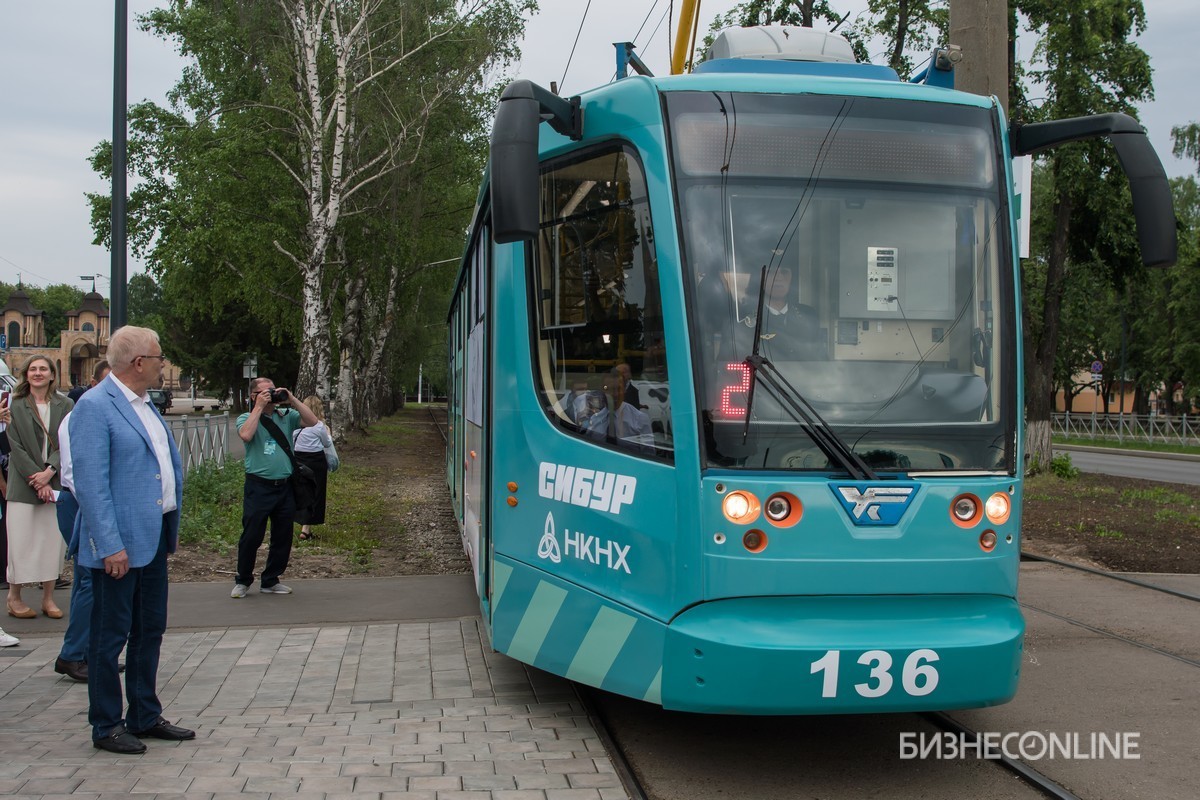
x=839 y=655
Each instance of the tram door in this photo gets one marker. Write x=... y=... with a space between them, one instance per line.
x=476 y=410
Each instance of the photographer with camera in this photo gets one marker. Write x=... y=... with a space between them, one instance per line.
x=267 y=493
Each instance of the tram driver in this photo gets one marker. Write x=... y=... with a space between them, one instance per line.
x=790 y=331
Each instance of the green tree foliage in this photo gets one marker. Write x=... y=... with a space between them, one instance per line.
x=144 y=303
x=276 y=185
x=1086 y=62
x=1186 y=141
x=907 y=27
x=1170 y=320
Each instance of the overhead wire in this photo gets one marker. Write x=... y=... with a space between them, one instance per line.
x=642 y=27
x=578 y=33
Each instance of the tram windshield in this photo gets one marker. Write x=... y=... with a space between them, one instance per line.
x=872 y=235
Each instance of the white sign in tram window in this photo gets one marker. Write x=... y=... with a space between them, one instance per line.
x=475 y=376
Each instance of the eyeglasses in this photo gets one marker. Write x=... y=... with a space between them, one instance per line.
x=160 y=358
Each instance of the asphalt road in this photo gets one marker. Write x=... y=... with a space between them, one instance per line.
x=1151 y=468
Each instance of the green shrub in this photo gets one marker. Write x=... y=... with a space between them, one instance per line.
x=212 y=505
x=1062 y=467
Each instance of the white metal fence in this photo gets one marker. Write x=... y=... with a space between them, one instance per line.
x=200 y=438
x=1128 y=427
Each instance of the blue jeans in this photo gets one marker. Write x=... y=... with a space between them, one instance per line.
x=134 y=608
x=79 y=620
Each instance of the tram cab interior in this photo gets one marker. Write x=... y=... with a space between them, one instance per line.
x=872 y=276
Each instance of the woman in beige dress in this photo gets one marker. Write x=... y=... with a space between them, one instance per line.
x=35 y=547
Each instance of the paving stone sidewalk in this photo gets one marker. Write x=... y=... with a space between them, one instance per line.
x=422 y=710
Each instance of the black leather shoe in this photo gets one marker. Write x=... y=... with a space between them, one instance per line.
x=119 y=741
x=75 y=670
x=165 y=730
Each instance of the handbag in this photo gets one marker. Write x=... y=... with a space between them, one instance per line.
x=303 y=480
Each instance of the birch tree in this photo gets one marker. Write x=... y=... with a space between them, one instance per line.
x=271 y=181
x=343 y=51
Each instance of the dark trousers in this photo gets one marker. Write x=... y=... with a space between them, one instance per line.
x=133 y=608
x=262 y=502
x=79 y=621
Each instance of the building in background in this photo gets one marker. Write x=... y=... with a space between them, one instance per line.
x=81 y=346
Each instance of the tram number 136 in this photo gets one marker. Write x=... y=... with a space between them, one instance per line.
x=918 y=676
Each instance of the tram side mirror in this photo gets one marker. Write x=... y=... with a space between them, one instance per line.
x=514 y=167
x=514 y=158
x=1153 y=208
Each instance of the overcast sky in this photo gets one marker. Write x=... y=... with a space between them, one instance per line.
x=56 y=97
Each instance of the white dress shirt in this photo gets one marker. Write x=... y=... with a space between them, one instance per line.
x=153 y=424
x=64 y=455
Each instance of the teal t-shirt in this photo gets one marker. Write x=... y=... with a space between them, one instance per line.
x=264 y=457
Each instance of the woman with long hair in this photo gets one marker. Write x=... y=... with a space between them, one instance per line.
x=310 y=444
x=35 y=547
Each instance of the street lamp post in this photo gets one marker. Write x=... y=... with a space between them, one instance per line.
x=119 y=147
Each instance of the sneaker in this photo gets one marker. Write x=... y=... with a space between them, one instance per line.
x=239 y=591
x=8 y=641
x=278 y=588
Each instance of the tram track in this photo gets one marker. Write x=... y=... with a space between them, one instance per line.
x=593 y=706
x=1112 y=635
x=438 y=423
x=616 y=753
x=1109 y=634
x=1111 y=575
x=1038 y=780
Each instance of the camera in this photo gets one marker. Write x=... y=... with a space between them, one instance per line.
x=279 y=395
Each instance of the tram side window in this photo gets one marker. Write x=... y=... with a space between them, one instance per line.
x=600 y=349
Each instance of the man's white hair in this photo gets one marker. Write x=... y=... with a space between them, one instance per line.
x=127 y=344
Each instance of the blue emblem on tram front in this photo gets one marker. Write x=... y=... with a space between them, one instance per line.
x=868 y=504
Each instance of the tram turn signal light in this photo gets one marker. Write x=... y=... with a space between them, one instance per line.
x=987 y=541
x=512 y=486
x=966 y=511
x=997 y=508
x=740 y=508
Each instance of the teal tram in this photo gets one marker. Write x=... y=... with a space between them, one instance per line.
x=736 y=405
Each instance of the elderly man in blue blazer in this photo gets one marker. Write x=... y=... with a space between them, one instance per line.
x=129 y=485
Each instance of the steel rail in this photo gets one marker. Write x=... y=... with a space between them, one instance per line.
x=1152 y=648
x=1037 y=780
x=436 y=421
x=624 y=768
x=1115 y=576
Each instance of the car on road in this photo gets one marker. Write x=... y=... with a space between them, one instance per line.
x=160 y=399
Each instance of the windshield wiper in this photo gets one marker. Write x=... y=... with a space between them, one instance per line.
x=817 y=428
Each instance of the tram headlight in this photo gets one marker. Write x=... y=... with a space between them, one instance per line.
x=965 y=510
x=740 y=508
x=778 y=508
x=998 y=508
x=783 y=509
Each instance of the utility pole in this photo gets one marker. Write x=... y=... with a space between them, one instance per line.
x=116 y=311
x=980 y=28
